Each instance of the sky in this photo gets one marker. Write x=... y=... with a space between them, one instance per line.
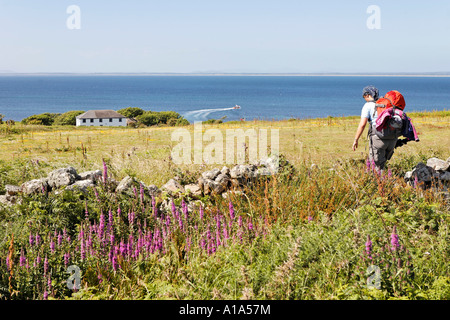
x=228 y=36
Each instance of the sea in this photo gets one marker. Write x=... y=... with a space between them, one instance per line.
x=203 y=97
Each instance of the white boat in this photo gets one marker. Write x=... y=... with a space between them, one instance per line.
x=236 y=107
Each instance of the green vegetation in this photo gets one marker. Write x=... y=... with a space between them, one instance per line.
x=46 y=119
x=303 y=234
x=67 y=119
x=131 y=112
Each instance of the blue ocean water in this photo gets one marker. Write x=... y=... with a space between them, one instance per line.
x=206 y=97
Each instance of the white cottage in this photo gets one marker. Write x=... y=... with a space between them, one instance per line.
x=101 y=118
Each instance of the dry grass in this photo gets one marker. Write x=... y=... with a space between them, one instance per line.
x=146 y=153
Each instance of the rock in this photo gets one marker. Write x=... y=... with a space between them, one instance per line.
x=408 y=175
x=125 y=184
x=448 y=160
x=211 y=174
x=422 y=172
x=243 y=171
x=4 y=201
x=12 y=190
x=81 y=185
x=172 y=186
x=34 y=186
x=445 y=176
x=272 y=164
x=222 y=179
x=236 y=171
x=153 y=190
x=438 y=164
x=91 y=175
x=62 y=177
x=225 y=170
x=216 y=187
x=194 y=189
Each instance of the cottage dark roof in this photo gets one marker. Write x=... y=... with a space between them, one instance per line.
x=100 y=114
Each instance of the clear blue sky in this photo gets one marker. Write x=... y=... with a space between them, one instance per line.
x=224 y=36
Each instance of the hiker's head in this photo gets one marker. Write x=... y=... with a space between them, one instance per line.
x=370 y=93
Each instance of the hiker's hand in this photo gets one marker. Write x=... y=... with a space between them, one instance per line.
x=355 y=145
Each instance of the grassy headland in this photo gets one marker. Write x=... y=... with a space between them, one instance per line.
x=310 y=233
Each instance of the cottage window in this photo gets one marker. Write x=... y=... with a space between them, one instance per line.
x=110 y=120
x=100 y=120
x=120 y=119
x=92 y=120
x=84 y=120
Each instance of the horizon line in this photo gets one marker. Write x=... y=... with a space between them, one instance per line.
x=349 y=74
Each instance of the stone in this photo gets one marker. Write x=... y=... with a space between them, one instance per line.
x=225 y=170
x=236 y=171
x=172 y=186
x=125 y=184
x=34 y=186
x=408 y=175
x=222 y=179
x=12 y=190
x=4 y=201
x=91 y=175
x=81 y=185
x=212 y=174
x=423 y=172
x=194 y=189
x=445 y=176
x=216 y=187
x=438 y=164
x=62 y=177
x=272 y=164
x=153 y=190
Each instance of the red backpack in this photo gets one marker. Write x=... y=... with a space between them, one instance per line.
x=391 y=99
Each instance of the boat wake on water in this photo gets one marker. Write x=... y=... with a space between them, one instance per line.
x=202 y=114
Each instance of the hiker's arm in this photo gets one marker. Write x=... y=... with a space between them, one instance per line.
x=362 y=125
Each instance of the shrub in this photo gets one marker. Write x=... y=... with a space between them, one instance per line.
x=46 y=119
x=131 y=112
x=68 y=118
x=148 y=118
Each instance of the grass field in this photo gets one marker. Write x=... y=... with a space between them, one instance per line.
x=308 y=233
x=146 y=152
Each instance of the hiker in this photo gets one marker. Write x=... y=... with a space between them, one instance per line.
x=380 y=150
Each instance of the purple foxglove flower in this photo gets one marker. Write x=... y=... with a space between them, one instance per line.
x=310 y=219
x=368 y=246
x=83 y=250
x=59 y=239
x=37 y=238
x=31 y=240
x=394 y=239
x=184 y=208
x=240 y=221
x=22 y=259
x=114 y=263
x=66 y=259
x=231 y=210
x=250 y=226
x=45 y=265
x=45 y=295
x=119 y=212
x=368 y=165
x=52 y=246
